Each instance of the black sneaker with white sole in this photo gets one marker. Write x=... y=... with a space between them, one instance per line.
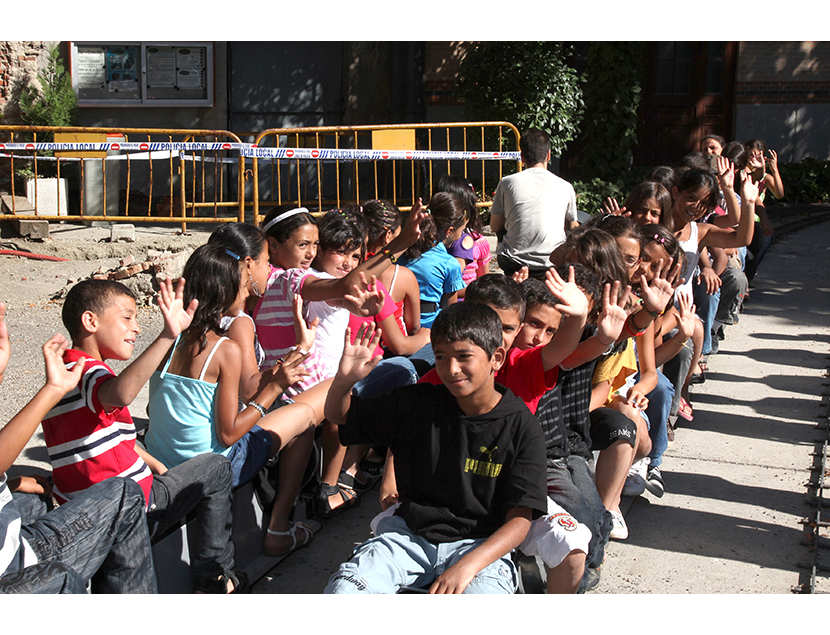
x=654 y=481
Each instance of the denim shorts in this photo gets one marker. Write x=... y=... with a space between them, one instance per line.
x=250 y=454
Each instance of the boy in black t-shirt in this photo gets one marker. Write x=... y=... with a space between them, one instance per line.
x=469 y=464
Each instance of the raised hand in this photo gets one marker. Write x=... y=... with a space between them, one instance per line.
x=57 y=376
x=411 y=231
x=367 y=296
x=290 y=371
x=726 y=173
x=572 y=300
x=611 y=321
x=610 y=206
x=305 y=334
x=521 y=275
x=749 y=189
x=359 y=357
x=773 y=161
x=657 y=293
x=171 y=303
x=685 y=317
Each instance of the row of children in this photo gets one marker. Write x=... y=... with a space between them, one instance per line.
x=224 y=397
x=275 y=332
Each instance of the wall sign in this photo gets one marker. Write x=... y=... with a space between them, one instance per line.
x=142 y=73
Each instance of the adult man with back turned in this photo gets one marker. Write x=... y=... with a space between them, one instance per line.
x=534 y=208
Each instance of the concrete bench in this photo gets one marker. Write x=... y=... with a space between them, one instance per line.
x=171 y=554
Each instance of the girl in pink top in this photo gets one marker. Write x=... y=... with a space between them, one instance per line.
x=293 y=239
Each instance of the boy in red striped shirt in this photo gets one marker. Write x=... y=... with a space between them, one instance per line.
x=91 y=436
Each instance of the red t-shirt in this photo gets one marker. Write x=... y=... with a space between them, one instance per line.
x=88 y=442
x=522 y=372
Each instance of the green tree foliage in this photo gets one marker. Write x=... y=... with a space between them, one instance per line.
x=55 y=104
x=613 y=79
x=528 y=84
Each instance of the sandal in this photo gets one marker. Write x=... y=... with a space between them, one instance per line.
x=308 y=537
x=704 y=367
x=220 y=586
x=685 y=410
x=322 y=508
x=350 y=482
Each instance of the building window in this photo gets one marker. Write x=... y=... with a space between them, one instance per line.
x=674 y=68
x=714 y=67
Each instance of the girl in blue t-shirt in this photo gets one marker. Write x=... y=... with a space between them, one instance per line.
x=194 y=397
x=438 y=273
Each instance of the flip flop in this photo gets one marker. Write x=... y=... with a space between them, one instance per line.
x=685 y=410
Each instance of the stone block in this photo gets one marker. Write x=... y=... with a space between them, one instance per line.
x=32 y=229
x=122 y=232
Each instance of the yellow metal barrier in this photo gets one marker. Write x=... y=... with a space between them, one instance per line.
x=200 y=181
x=320 y=186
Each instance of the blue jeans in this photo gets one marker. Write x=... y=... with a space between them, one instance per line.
x=201 y=485
x=388 y=374
x=423 y=360
x=707 y=308
x=396 y=557
x=571 y=486
x=101 y=534
x=659 y=408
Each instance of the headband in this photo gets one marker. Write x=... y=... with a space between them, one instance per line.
x=283 y=216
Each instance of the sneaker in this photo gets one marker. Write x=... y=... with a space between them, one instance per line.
x=619 y=531
x=593 y=579
x=635 y=482
x=654 y=482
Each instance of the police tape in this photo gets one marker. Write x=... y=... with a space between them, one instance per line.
x=145 y=146
x=252 y=151
x=377 y=155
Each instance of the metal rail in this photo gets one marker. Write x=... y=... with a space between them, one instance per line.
x=203 y=181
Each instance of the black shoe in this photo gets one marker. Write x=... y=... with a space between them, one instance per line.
x=654 y=481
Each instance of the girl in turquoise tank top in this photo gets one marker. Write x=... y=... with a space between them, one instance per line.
x=195 y=398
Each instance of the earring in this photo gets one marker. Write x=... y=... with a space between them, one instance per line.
x=255 y=288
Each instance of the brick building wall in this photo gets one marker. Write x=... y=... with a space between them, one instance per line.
x=19 y=64
x=441 y=63
x=782 y=95
x=783 y=72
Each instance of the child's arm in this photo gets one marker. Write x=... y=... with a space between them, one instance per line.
x=574 y=309
x=252 y=380
x=773 y=179
x=388 y=484
x=610 y=324
x=742 y=235
x=59 y=381
x=506 y=538
x=5 y=342
x=400 y=344
x=121 y=390
x=665 y=351
x=357 y=362
x=636 y=395
x=320 y=289
x=599 y=394
x=708 y=272
x=726 y=180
